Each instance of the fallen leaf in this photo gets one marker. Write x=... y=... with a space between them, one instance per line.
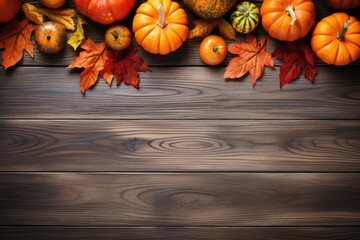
x=62 y=16
x=78 y=36
x=226 y=30
x=298 y=57
x=125 y=66
x=93 y=60
x=15 y=37
x=252 y=57
x=204 y=27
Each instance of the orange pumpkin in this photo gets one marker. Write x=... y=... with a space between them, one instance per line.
x=50 y=37
x=336 y=39
x=160 y=26
x=9 y=9
x=105 y=11
x=343 y=4
x=118 y=37
x=213 y=50
x=53 y=3
x=288 y=20
x=210 y=9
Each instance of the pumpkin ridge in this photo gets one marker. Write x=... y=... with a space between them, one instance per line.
x=337 y=49
x=340 y=24
x=351 y=45
x=277 y=20
x=163 y=38
x=148 y=29
x=170 y=27
x=111 y=10
x=352 y=42
x=154 y=9
x=173 y=18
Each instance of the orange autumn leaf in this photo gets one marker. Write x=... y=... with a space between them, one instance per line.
x=204 y=27
x=252 y=57
x=62 y=16
x=92 y=60
x=15 y=37
x=226 y=30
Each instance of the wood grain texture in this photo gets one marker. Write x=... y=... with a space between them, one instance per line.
x=180 y=93
x=188 y=156
x=176 y=233
x=179 y=146
x=217 y=199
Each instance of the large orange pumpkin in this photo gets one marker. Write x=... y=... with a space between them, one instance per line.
x=160 y=26
x=288 y=20
x=343 y=4
x=210 y=9
x=336 y=39
x=9 y=9
x=105 y=11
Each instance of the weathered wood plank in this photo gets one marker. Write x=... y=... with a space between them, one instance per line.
x=187 y=55
x=243 y=199
x=180 y=93
x=177 y=233
x=179 y=145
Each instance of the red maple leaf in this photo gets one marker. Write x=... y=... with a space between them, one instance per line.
x=298 y=57
x=125 y=65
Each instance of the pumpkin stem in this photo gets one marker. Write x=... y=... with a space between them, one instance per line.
x=162 y=19
x=341 y=35
x=290 y=11
x=217 y=49
x=115 y=34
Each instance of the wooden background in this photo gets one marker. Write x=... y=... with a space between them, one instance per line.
x=188 y=156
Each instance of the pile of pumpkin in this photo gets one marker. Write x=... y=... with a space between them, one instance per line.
x=161 y=26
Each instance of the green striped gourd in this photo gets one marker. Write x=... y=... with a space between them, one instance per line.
x=245 y=17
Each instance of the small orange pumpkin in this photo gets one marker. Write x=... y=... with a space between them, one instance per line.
x=160 y=26
x=9 y=9
x=213 y=50
x=336 y=39
x=118 y=37
x=50 y=37
x=105 y=11
x=288 y=20
x=343 y=4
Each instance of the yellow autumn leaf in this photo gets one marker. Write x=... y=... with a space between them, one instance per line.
x=226 y=30
x=33 y=13
x=62 y=16
x=78 y=36
x=203 y=28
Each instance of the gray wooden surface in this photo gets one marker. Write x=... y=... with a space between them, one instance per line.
x=188 y=156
